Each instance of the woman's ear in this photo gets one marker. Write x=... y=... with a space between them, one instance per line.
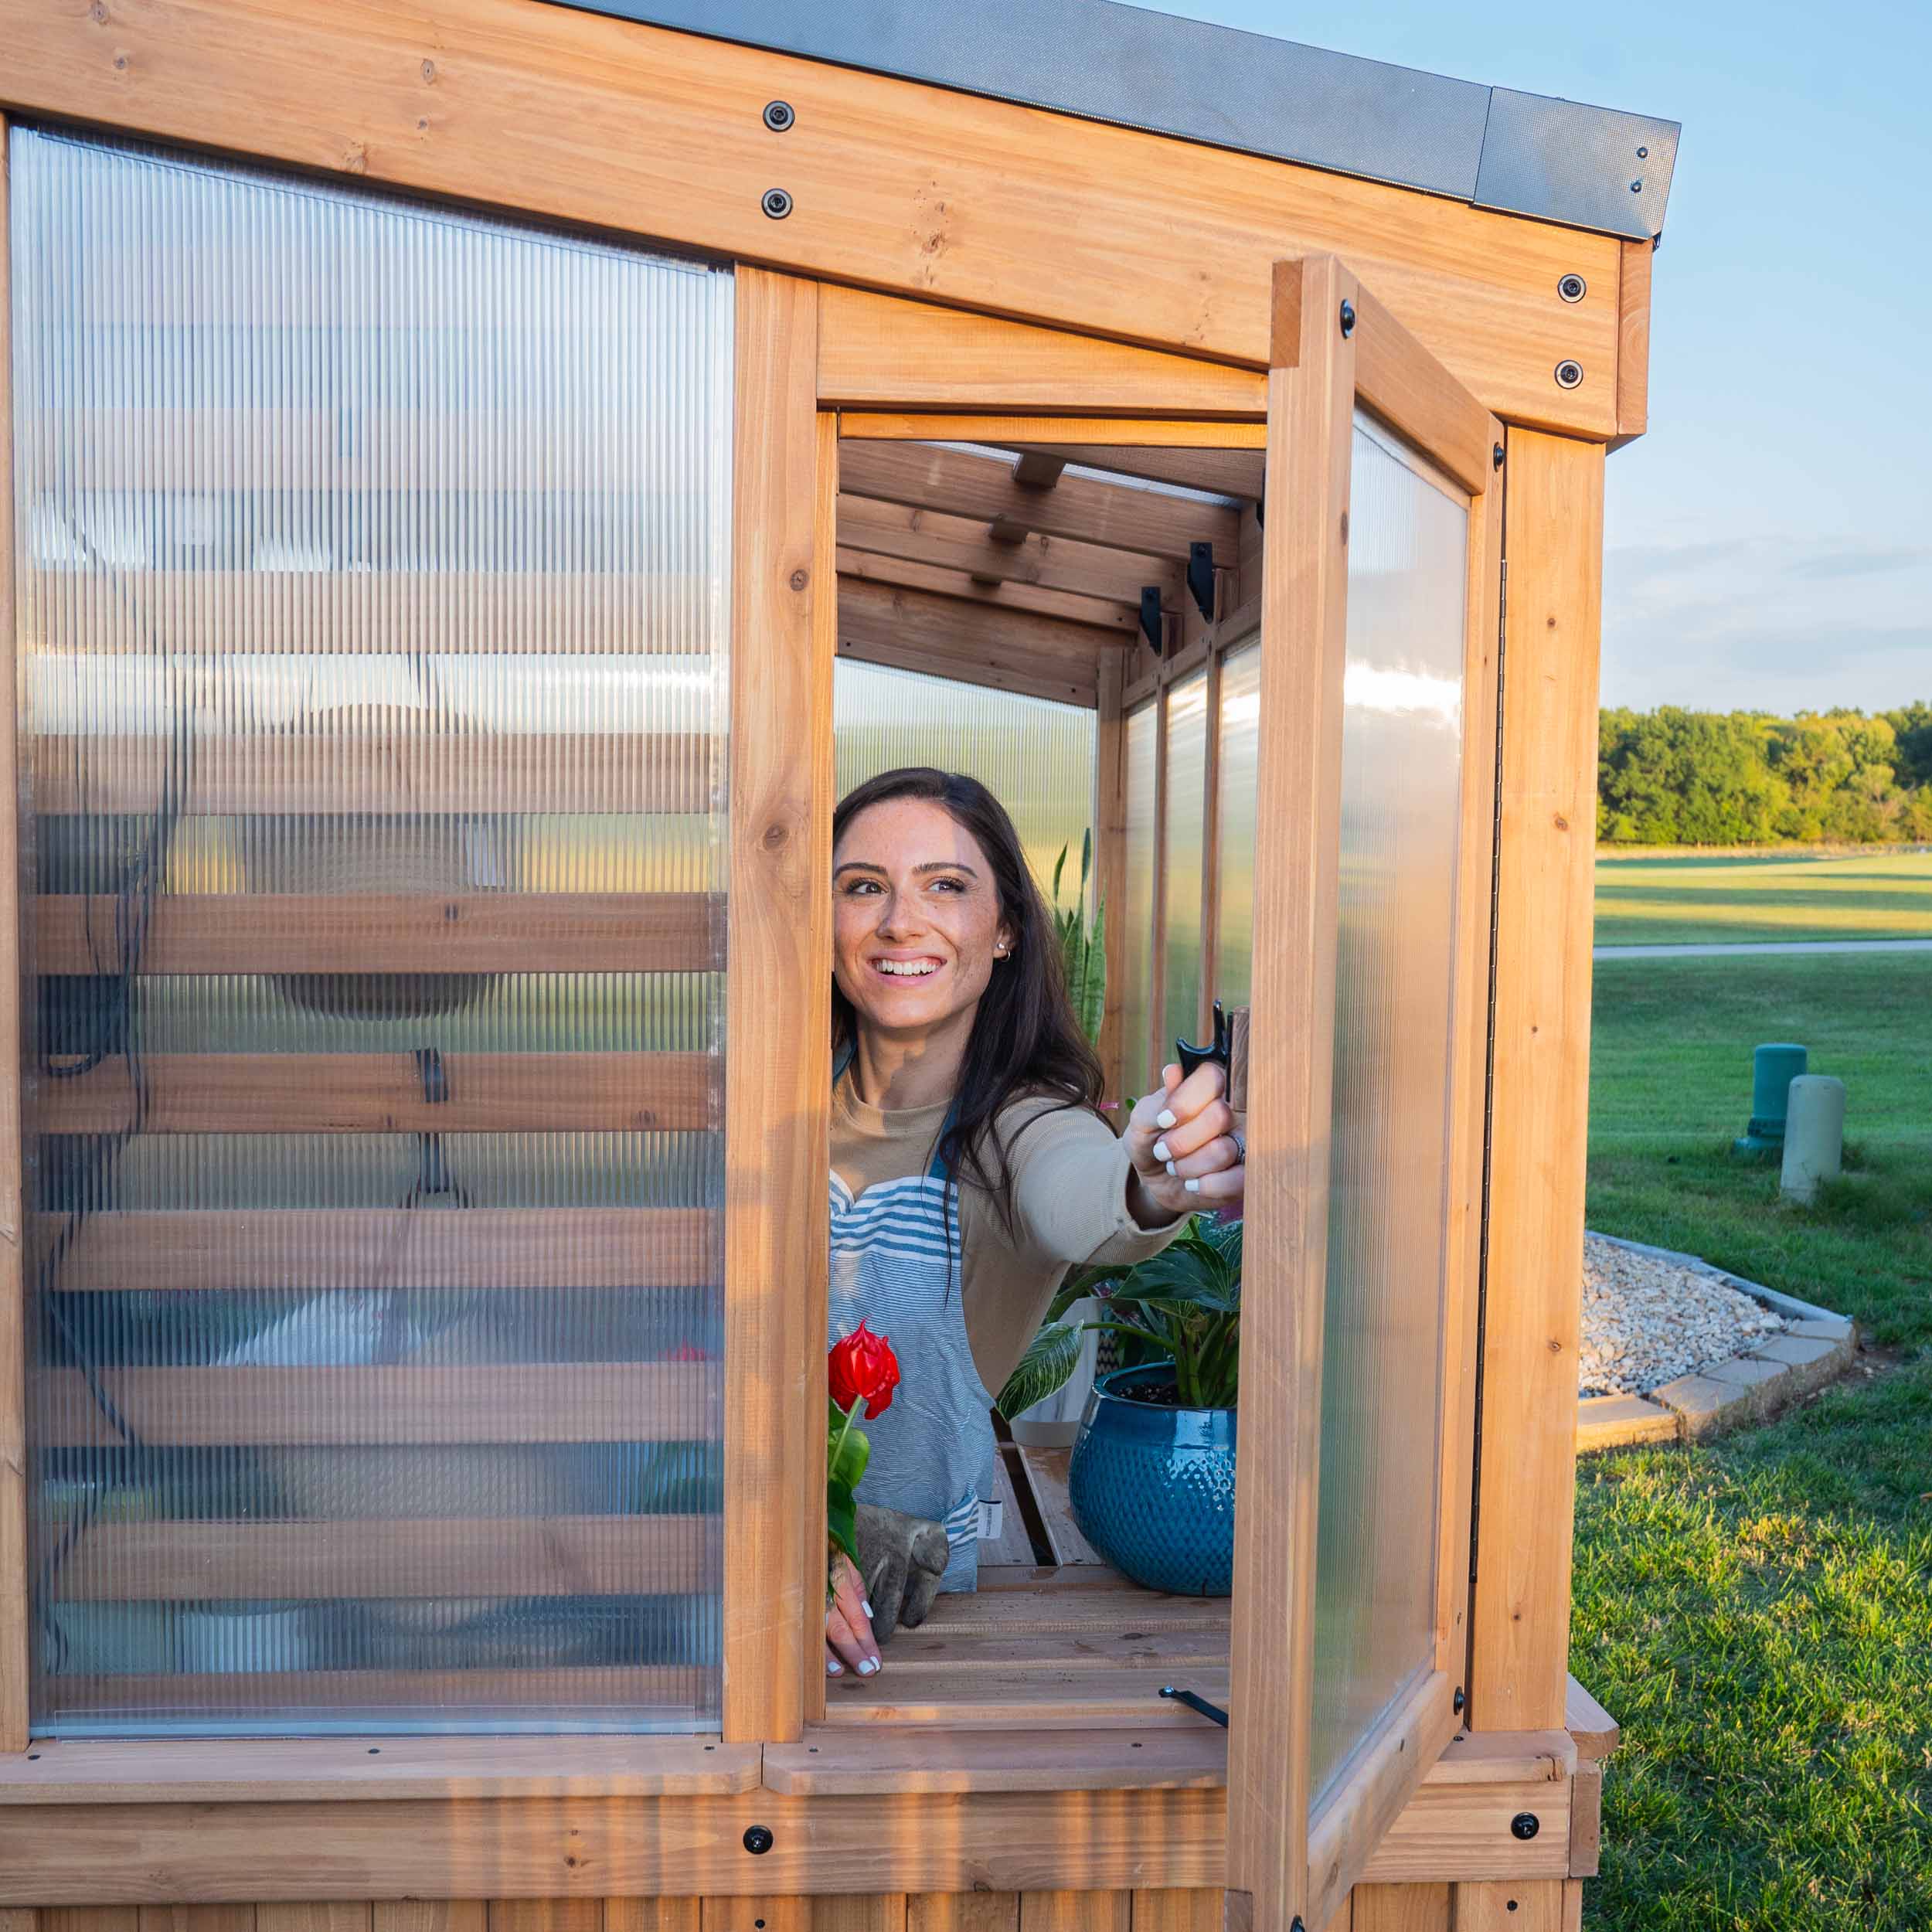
x=1003 y=943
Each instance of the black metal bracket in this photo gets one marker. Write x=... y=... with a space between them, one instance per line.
x=1219 y=1053
x=1200 y=577
x=1153 y=625
x=1194 y=1703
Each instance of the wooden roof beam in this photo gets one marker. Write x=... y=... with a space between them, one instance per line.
x=959 y=543
x=1231 y=472
x=1113 y=514
x=1120 y=619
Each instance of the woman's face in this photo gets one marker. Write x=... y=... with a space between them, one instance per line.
x=916 y=929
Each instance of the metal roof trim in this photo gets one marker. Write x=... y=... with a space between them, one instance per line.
x=1556 y=161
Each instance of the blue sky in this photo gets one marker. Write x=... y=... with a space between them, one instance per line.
x=1770 y=541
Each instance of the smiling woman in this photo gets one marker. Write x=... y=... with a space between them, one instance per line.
x=970 y=1166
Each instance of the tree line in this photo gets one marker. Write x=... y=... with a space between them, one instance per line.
x=1676 y=778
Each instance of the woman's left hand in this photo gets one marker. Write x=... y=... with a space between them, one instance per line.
x=1188 y=1152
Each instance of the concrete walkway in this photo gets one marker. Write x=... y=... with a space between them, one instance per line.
x=1766 y=946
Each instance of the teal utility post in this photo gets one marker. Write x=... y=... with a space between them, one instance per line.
x=1773 y=1067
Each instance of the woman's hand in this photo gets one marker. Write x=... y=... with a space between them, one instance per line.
x=1188 y=1152
x=849 y=1643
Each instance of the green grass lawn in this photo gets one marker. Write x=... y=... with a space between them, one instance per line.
x=1758 y=1612
x=1657 y=902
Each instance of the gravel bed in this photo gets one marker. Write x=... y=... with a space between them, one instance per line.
x=1646 y=1321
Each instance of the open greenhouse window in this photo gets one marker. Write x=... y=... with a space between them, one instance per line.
x=1039 y=604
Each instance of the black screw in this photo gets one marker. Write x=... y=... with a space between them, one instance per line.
x=1348 y=318
x=1570 y=375
x=1457 y=1702
x=758 y=1838
x=778 y=115
x=1297 y=1926
x=1643 y=154
x=1636 y=186
x=777 y=203
x=1524 y=1825
x=1495 y=463
x=1572 y=288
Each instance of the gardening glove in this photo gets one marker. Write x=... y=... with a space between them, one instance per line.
x=902 y=1559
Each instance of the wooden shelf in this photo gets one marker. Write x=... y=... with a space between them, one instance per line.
x=364 y=932
x=383 y=1093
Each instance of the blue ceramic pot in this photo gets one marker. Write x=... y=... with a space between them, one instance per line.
x=1152 y=1487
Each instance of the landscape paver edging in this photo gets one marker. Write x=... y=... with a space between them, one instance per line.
x=1814 y=1350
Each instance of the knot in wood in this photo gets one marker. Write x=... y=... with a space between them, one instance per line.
x=429 y=71
x=777 y=838
x=799 y=579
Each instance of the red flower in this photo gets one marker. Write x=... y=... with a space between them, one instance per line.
x=863 y=1368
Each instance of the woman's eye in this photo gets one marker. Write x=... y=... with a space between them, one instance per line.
x=949 y=885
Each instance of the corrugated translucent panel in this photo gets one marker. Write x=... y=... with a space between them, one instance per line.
x=1035 y=756
x=1183 y=858
x=1137 y=948
x=1235 y=778
x=1388 y=1200
x=373 y=605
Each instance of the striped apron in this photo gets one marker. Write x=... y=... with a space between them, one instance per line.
x=896 y=1264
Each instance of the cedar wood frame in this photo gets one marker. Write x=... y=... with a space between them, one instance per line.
x=496 y=103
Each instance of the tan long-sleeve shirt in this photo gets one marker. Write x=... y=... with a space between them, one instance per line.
x=1070 y=1179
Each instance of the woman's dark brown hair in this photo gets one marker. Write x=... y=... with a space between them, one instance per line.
x=1025 y=1041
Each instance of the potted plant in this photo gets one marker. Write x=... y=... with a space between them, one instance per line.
x=1152 y=1479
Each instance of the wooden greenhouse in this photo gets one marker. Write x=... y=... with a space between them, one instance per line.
x=478 y=478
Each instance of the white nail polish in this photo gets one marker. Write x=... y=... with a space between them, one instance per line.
x=866 y=1608
x=1170 y=1167
x=868 y=1665
x=1164 y=1118
x=834 y=1667
x=1161 y=1152
x=1193 y=1187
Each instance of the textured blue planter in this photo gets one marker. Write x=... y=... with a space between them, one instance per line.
x=1152 y=1487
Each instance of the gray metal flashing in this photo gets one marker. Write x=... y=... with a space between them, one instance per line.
x=1521 y=154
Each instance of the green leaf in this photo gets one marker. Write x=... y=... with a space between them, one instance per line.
x=849 y=1466
x=1059 y=866
x=842 y=1519
x=1044 y=1370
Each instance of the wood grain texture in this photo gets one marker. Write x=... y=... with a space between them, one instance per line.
x=963 y=1912
x=900 y=187
x=1409 y=388
x=438 y=1915
x=1076 y=1911
x=1114 y=515
x=1198 y=1910
x=14 y=1673
x=1401 y=1908
x=197 y=1918
x=1469 y=1073
x=346 y=1770
x=859 y=1912
x=338 y=1915
x=546 y=1915
x=518 y=1402
x=834 y=1763
x=1513 y=1906
x=1585 y=1818
x=1116 y=617
x=384 y=1093
x=1012 y=650
x=778 y=1072
x=187 y=1250
x=651 y=1915
x=379 y=770
x=179 y=1562
x=1520 y=1637
x=1298 y=805
x=882 y=352
x=961 y=543
x=91 y=1918
x=759 y=1913
x=388 y=932
x=1633 y=342
x=1597 y=1733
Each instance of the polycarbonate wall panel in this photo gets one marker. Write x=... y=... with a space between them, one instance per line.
x=1137 y=932
x=374 y=602
x=1235 y=774
x=1388 y=1200
x=1036 y=757
x=1183 y=859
